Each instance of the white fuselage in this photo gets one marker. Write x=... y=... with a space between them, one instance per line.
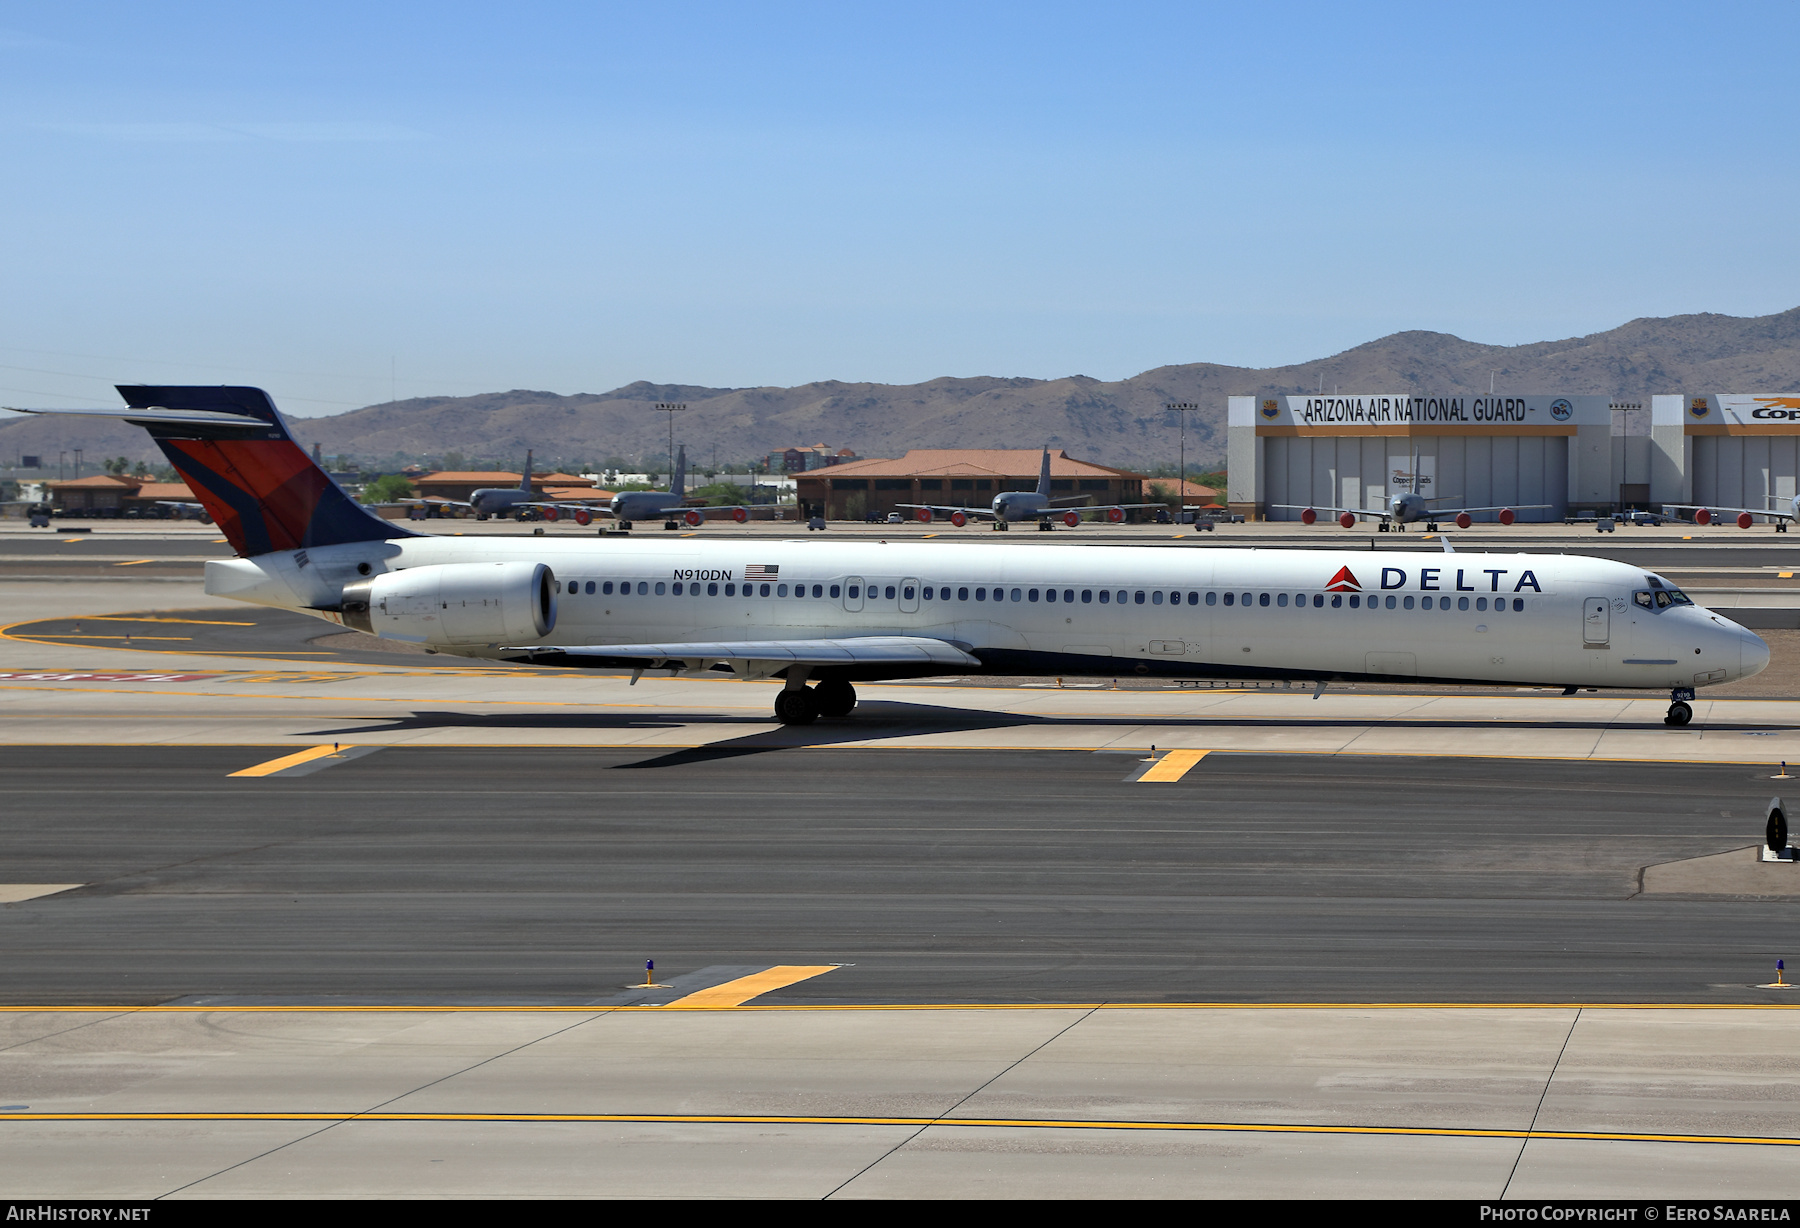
x=1557 y=620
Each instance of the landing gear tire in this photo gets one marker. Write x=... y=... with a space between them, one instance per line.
x=1431 y=526
x=625 y=525
x=1679 y=714
x=797 y=707
x=834 y=699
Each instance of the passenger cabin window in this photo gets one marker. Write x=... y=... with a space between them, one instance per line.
x=834 y=592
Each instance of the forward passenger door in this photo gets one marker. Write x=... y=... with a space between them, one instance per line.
x=1596 y=622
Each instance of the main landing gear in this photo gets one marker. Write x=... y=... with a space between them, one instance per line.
x=802 y=705
x=1680 y=709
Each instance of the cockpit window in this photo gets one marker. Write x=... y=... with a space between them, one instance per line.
x=1663 y=601
x=1643 y=599
x=1653 y=582
x=1677 y=597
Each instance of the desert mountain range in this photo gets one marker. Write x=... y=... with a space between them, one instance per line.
x=1117 y=423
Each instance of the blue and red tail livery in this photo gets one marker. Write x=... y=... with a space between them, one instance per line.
x=259 y=486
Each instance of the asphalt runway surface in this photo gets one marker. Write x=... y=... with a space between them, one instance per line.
x=549 y=875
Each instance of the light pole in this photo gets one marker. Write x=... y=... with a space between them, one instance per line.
x=1182 y=409
x=671 y=408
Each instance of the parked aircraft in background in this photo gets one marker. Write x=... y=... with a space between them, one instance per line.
x=1409 y=507
x=668 y=505
x=1013 y=506
x=1745 y=516
x=822 y=616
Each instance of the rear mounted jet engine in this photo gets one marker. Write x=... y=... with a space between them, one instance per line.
x=463 y=604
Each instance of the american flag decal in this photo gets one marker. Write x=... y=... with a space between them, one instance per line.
x=757 y=571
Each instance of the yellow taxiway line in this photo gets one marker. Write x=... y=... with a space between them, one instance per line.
x=1013 y=1123
x=287 y=761
x=1172 y=766
x=740 y=991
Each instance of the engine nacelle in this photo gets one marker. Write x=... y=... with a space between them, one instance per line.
x=456 y=604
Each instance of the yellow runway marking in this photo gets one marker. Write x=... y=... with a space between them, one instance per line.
x=154 y=618
x=288 y=761
x=183 y=638
x=740 y=991
x=1784 y=575
x=133 y=562
x=529 y=1009
x=69 y=541
x=1172 y=766
x=1013 y=1123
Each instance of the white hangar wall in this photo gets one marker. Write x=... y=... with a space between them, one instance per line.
x=1571 y=453
x=1743 y=449
x=1480 y=471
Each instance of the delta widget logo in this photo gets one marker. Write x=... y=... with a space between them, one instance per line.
x=1344 y=582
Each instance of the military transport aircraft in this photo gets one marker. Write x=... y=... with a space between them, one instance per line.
x=1012 y=506
x=823 y=616
x=1745 y=516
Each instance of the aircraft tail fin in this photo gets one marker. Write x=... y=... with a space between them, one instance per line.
x=232 y=448
x=525 y=478
x=1044 y=474
x=678 y=480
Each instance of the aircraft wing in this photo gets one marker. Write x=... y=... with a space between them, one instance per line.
x=857 y=650
x=1375 y=513
x=1094 y=507
x=1707 y=507
x=947 y=509
x=1441 y=512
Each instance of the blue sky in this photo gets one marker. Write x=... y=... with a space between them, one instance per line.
x=337 y=201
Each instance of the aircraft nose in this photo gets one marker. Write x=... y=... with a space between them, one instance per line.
x=1753 y=654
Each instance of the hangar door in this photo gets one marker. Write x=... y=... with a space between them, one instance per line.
x=1359 y=471
x=1745 y=470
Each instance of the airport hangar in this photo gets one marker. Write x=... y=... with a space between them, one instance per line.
x=1578 y=454
x=956 y=478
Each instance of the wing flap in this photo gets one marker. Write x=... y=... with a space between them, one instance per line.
x=857 y=650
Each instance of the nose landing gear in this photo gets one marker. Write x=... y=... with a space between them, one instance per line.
x=1680 y=709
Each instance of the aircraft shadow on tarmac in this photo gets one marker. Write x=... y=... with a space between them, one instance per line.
x=879 y=719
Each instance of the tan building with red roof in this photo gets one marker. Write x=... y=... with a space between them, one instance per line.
x=113 y=494
x=956 y=478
